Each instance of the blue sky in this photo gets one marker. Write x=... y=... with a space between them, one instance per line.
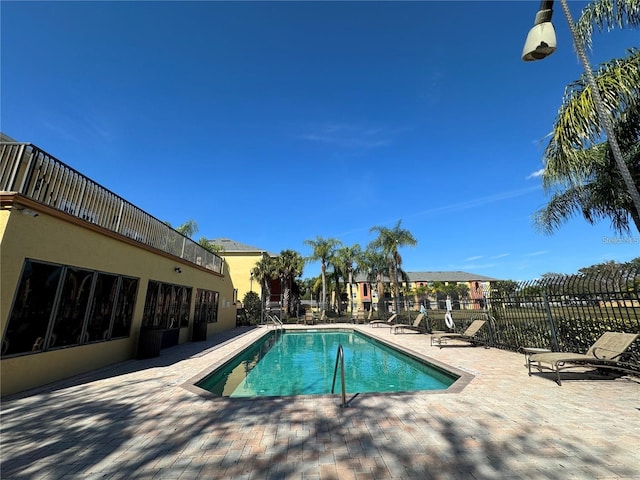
x=271 y=123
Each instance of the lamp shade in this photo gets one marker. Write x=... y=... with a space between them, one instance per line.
x=541 y=42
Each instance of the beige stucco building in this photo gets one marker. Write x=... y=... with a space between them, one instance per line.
x=88 y=279
x=240 y=260
x=365 y=294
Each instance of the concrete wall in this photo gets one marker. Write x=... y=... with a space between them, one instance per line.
x=53 y=236
x=239 y=267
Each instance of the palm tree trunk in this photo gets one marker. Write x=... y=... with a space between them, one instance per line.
x=323 y=269
x=351 y=291
x=338 y=297
x=380 y=287
x=394 y=285
x=636 y=218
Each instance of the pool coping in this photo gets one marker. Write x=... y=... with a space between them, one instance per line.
x=464 y=377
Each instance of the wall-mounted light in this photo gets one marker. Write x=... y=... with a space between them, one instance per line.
x=177 y=270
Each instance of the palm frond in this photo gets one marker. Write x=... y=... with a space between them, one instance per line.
x=577 y=127
x=607 y=15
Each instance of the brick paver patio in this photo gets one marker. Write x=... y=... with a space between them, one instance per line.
x=136 y=420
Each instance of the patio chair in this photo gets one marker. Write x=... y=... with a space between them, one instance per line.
x=390 y=322
x=415 y=327
x=309 y=317
x=360 y=317
x=604 y=353
x=468 y=335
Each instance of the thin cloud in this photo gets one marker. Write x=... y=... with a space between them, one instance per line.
x=456 y=207
x=535 y=254
x=473 y=266
x=351 y=136
x=433 y=90
x=502 y=255
x=76 y=126
x=536 y=174
x=472 y=259
x=474 y=203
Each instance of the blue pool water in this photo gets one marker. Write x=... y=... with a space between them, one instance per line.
x=303 y=363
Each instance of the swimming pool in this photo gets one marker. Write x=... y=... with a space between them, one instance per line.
x=302 y=362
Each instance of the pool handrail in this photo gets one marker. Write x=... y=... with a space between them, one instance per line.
x=276 y=321
x=340 y=358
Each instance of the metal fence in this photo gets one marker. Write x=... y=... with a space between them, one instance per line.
x=560 y=313
x=27 y=170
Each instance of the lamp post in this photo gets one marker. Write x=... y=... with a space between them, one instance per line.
x=540 y=43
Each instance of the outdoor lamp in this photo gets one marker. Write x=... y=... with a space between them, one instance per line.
x=541 y=40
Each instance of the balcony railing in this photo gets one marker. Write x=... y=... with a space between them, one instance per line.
x=30 y=171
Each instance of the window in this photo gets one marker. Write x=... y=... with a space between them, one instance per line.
x=124 y=308
x=102 y=308
x=206 y=306
x=149 y=316
x=60 y=306
x=72 y=308
x=166 y=305
x=184 y=300
x=32 y=308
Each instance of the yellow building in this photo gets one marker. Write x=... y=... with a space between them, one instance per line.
x=241 y=259
x=88 y=279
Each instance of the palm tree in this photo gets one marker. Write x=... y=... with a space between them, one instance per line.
x=336 y=274
x=579 y=167
x=603 y=195
x=389 y=241
x=212 y=247
x=374 y=263
x=586 y=180
x=264 y=271
x=188 y=228
x=422 y=293
x=309 y=288
x=289 y=265
x=322 y=250
x=346 y=257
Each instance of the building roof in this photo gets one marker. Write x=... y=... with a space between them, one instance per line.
x=449 y=276
x=454 y=276
x=232 y=246
x=6 y=138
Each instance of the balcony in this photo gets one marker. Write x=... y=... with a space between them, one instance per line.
x=33 y=173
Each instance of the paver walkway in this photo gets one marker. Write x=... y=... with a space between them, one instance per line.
x=135 y=420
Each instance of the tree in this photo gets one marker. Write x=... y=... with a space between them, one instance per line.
x=252 y=306
x=309 y=288
x=289 y=265
x=422 y=292
x=212 y=247
x=188 y=228
x=264 y=271
x=374 y=264
x=322 y=251
x=389 y=241
x=346 y=257
x=580 y=170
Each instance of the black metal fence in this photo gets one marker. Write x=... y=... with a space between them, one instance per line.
x=560 y=313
